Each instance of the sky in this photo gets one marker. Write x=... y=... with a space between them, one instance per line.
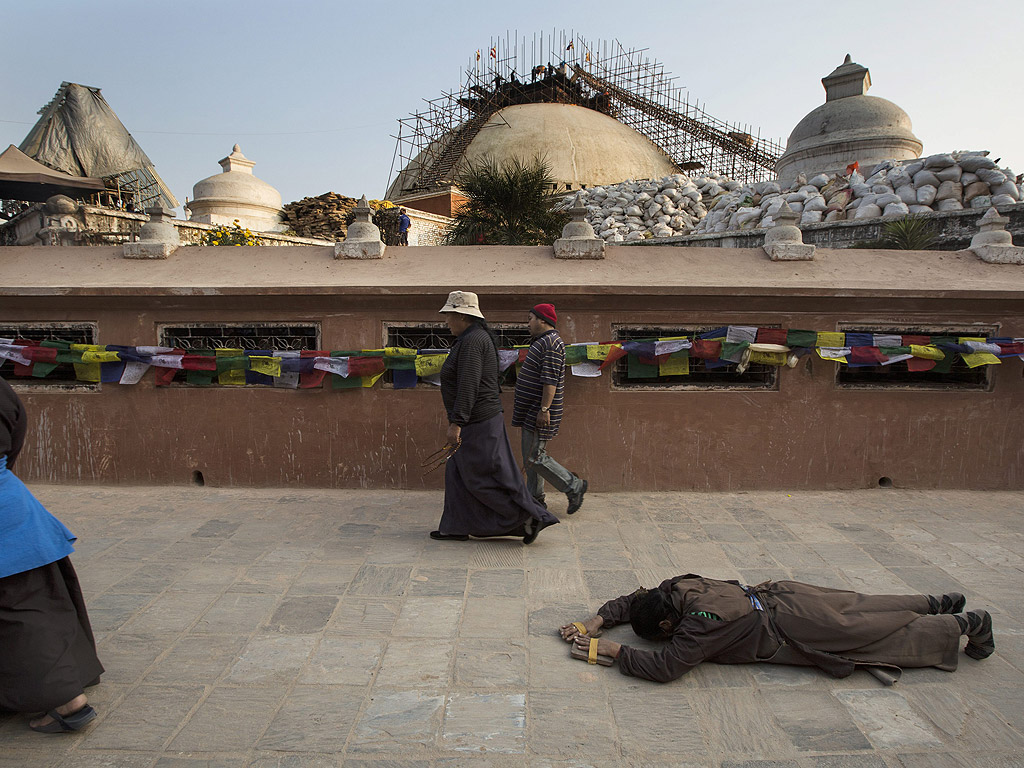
x=312 y=91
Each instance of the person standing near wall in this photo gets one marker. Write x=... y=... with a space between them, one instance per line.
x=404 y=222
x=538 y=409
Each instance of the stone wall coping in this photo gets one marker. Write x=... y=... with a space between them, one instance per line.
x=669 y=270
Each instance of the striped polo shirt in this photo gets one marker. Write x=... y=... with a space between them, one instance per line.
x=544 y=364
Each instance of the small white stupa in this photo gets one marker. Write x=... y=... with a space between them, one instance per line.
x=237 y=194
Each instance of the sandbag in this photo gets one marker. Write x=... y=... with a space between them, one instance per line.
x=914 y=168
x=860 y=190
x=816 y=203
x=952 y=173
x=887 y=198
x=974 y=190
x=907 y=194
x=974 y=163
x=835 y=216
x=926 y=194
x=949 y=205
x=819 y=181
x=899 y=177
x=991 y=176
x=870 y=211
x=881 y=189
x=998 y=200
x=981 y=201
x=914 y=209
x=949 y=190
x=938 y=161
x=968 y=178
x=926 y=178
x=1007 y=188
x=810 y=217
x=896 y=209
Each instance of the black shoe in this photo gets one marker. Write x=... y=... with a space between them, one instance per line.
x=980 y=642
x=447 y=536
x=534 y=527
x=953 y=602
x=576 y=499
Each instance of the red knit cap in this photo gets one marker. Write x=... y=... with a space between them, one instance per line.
x=546 y=312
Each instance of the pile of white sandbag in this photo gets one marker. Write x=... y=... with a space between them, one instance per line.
x=638 y=210
x=945 y=182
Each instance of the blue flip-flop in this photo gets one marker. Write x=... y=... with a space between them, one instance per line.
x=67 y=723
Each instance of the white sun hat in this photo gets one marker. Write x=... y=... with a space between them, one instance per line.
x=463 y=302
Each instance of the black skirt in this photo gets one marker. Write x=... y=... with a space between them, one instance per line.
x=47 y=651
x=484 y=492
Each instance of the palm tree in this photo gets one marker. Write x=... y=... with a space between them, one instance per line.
x=507 y=204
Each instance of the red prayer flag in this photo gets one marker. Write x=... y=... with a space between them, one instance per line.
x=922 y=341
x=852 y=167
x=1015 y=348
x=918 y=364
x=522 y=355
x=165 y=375
x=40 y=354
x=22 y=370
x=315 y=378
x=707 y=349
x=198 y=363
x=869 y=355
x=771 y=335
x=613 y=354
x=365 y=366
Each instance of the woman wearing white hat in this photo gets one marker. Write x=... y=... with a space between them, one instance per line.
x=484 y=492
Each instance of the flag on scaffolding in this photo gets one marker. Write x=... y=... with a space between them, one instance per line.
x=494 y=53
x=478 y=54
x=569 y=47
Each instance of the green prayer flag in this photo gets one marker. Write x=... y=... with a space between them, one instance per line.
x=41 y=370
x=200 y=378
x=576 y=353
x=637 y=370
x=796 y=338
x=943 y=365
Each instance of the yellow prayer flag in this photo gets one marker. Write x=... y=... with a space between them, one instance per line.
x=398 y=351
x=428 y=365
x=831 y=339
x=90 y=356
x=598 y=351
x=928 y=351
x=369 y=381
x=233 y=378
x=268 y=366
x=87 y=371
x=675 y=365
x=768 y=358
x=974 y=359
x=88 y=347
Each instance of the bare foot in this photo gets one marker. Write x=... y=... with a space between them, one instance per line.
x=64 y=709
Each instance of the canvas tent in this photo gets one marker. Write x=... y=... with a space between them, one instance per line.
x=22 y=178
x=79 y=134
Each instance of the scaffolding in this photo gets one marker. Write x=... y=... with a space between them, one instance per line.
x=563 y=68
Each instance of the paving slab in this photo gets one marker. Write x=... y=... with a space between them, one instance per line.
x=246 y=627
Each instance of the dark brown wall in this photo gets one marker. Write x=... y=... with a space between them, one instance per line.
x=807 y=434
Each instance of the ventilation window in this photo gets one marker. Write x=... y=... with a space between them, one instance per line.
x=436 y=336
x=63 y=375
x=631 y=373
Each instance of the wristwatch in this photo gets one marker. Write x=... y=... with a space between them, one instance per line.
x=545 y=408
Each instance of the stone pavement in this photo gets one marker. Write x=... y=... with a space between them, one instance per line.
x=293 y=628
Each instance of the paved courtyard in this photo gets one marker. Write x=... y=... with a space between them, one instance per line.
x=294 y=628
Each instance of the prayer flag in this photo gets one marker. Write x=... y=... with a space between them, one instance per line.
x=772 y=336
x=365 y=366
x=403 y=378
x=741 y=333
x=164 y=376
x=676 y=364
x=830 y=339
x=768 y=358
x=289 y=378
x=311 y=377
x=336 y=365
x=111 y=373
x=709 y=350
x=133 y=372
x=637 y=369
x=87 y=372
x=838 y=354
x=866 y=355
x=575 y=353
x=589 y=370
x=614 y=354
x=733 y=350
x=668 y=346
x=428 y=365
x=494 y=53
x=268 y=366
x=231 y=366
x=983 y=354
x=796 y=338
x=598 y=351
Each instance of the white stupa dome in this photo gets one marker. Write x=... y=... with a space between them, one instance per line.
x=237 y=194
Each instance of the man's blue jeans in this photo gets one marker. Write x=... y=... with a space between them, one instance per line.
x=540 y=467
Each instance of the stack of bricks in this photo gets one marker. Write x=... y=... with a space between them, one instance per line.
x=322 y=217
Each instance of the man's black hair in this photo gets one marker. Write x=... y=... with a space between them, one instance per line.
x=647 y=610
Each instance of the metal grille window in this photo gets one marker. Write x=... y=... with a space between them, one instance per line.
x=757 y=376
x=64 y=374
x=271 y=336
x=437 y=336
x=954 y=375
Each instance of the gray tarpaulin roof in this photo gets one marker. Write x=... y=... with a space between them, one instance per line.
x=79 y=134
x=22 y=178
